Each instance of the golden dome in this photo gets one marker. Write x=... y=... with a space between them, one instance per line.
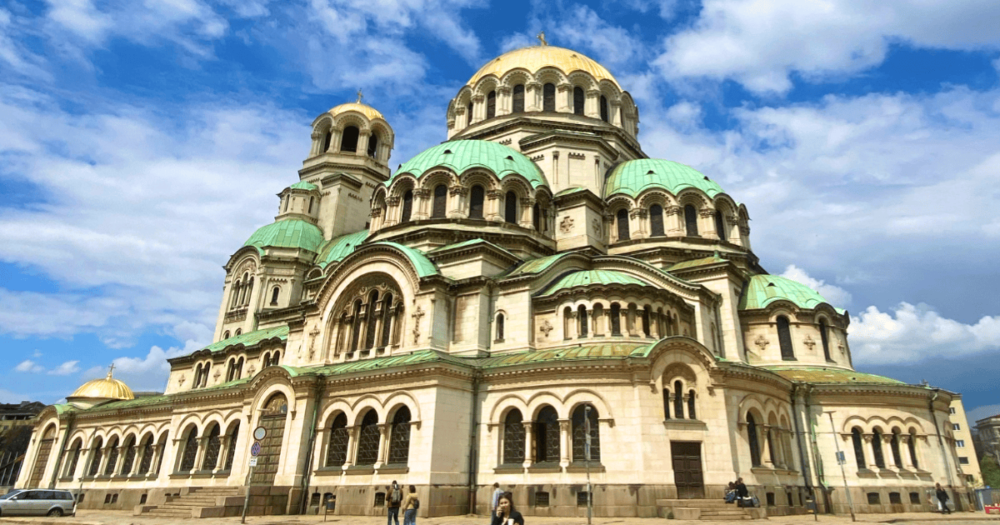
x=535 y=58
x=107 y=388
x=362 y=108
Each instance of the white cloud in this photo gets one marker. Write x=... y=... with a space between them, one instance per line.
x=65 y=369
x=760 y=43
x=910 y=333
x=6 y=396
x=583 y=29
x=17 y=58
x=835 y=295
x=981 y=412
x=29 y=366
x=147 y=373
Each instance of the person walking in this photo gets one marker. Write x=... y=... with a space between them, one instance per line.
x=395 y=498
x=505 y=514
x=497 y=492
x=410 y=506
x=942 y=496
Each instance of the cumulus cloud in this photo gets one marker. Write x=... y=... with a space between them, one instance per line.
x=583 y=29
x=29 y=366
x=910 y=333
x=65 y=369
x=761 y=43
x=835 y=295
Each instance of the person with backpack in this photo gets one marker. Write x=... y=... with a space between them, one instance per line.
x=395 y=498
x=410 y=506
x=942 y=497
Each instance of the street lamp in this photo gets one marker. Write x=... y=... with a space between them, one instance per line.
x=841 y=461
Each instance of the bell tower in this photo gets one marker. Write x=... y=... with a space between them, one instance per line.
x=349 y=158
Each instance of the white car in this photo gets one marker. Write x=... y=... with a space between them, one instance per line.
x=36 y=503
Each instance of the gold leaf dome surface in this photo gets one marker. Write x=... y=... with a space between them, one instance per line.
x=362 y=108
x=107 y=388
x=535 y=58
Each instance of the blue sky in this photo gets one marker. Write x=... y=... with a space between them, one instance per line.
x=142 y=142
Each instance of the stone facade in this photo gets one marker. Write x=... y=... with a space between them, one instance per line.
x=464 y=320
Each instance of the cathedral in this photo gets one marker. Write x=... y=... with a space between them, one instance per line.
x=533 y=289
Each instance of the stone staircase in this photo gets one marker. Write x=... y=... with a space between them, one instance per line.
x=205 y=502
x=707 y=509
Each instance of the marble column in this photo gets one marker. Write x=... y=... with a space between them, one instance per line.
x=565 y=443
x=529 y=434
x=383 y=441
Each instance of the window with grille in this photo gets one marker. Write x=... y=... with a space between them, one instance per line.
x=752 y=438
x=336 y=452
x=581 y=498
x=874 y=498
x=109 y=469
x=859 y=448
x=513 y=438
x=368 y=440
x=212 y=448
x=517 y=103
x=75 y=459
x=399 y=438
x=541 y=499
x=129 y=456
x=190 y=451
x=580 y=434
x=877 y=449
x=915 y=498
x=785 y=338
x=897 y=458
x=231 y=452
x=547 y=436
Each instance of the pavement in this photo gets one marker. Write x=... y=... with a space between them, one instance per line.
x=99 y=517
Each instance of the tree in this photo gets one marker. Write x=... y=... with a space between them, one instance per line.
x=991 y=471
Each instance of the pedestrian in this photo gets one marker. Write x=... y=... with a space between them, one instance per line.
x=742 y=494
x=942 y=496
x=497 y=492
x=731 y=493
x=395 y=498
x=410 y=506
x=505 y=513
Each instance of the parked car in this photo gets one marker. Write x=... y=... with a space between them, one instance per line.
x=36 y=503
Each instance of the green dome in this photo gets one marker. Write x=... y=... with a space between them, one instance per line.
x=336 y=249
x=303 y=185
x=592 y=277
x=289 y=233
x=766 y=289
x=461 y=155
x=636 y=176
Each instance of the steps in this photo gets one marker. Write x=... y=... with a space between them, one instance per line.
x=196 y=503
x=707 y=509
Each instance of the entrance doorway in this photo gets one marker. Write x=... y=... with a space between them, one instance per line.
x=688 y=476
x=44 y=449
x=272 y=418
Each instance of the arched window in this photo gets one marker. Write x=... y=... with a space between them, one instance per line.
x=656 y=220
x=326 y=141
x=197 y=377
x=239 y=368
x=368 y=440
x=581 y=315
x=356 y=331
x=513 y=438
x=678 y=400
x=580 y=416
x=234 y=301
x=109 y=468
x=549 y=97
x=510 y=207
x=386 y=320
x=336 y=451
x=274 y=296
x=204 y=375
x=212 y=448
x=517 y=105
x=547 y=436
x=500 y=327
x=536 y=217
x=225 y=335
x=74 y=459
x=399 y=438
x=468 y=113
x=622 y=219
x=129 y=456
x=578 y=101
x=372 y=145
x=616 y=319
x=311 y=199
x=720 y=225
x=349 y=140
x=231 y=451
x=752 y=437
x=646 y=321
x=477 y=196
x=691 y=220
x=785 y=338
x=897 y=458
x=859 y=448
x=440 y=202
x=491 y=104
x=769 y=433
x=95 y=460
x=568 y=324
x=238 y=332
x=276 y=359
x=691 y=412
x=190 y=450
x=370 y=325
x=249 y=291
x=230 y=369
x=147 y=456
x=604 y=108
x=666 y=402
x=407 y=206
x=824 y=337
x=912 y=445
x=877 y=449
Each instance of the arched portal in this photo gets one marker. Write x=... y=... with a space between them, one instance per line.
x=42 y=459
x=272 y=418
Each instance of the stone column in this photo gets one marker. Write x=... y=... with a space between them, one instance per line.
x=493 y=206
x=478 y=108
x=527 y=206
x=870 y=451
x=571 y=326
x=158 y=451
x=136 y=460
x=904 y=451
x=595 y=326
x=706 y=223
x=767 y=459
x=673 y=216
x=654 y=324
x=199 y=459
x=890 y=457
x=614 y=116
x=565 y=443
x=564 y=98
x=363 y=143
x=223 y=452
x=383 y=441
x=504 y=101
x=592 y=106
x=630 y=317
x=532 y=95
x=529 y=432
x=459 y=203
x=334 y=141
x=352 y=443
x=104 y=461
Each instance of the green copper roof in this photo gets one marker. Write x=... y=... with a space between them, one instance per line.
x=250 y=338
x=461 y=155
x=420 y=261
x=829 y=375
x=538 y=265
x=694 y=263
x=569 y=191
x=289 y=233
x=337 y=248
x=765 y=289
x=365 y=365
x=635 y=176
x=589 y=277
x=573 y=353
x=303 y=185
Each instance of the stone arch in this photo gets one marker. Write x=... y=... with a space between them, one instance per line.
x=398 y=399
x=582 y=396
x=515 y=77
x=504 y=405
x=583 y=80
x=332 y=409
x=540 y=400
x=518 y=184
x=365 y=403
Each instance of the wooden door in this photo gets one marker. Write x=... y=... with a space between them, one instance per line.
x=44 y=449
x=687 y=469
x=273 y=420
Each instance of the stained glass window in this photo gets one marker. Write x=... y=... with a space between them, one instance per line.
x=513 y=438
x=877 y=449
x=547 y=436
x=752 y=436
x=580 y=435
x=785 y=338
x=129 y=456
x=212 y=448
x=190 y=451
x=368 y=440
x=231 y=453
x=859 y=448
x=75 y=458
x=399 y=444
x=336 y=452
x=109 y=468
x=95 y=461
x=147 y=456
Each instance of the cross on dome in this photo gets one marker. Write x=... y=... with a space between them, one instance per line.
x=541 y=38
x=111 y=370
x=360 y=96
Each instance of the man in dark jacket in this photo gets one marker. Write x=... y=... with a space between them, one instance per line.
x=942 y=496
x=395 y=497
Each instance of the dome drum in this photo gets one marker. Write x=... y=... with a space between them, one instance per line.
x=353 y=129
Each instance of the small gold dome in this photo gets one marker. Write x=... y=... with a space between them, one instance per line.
x=535 y=58
x=107 y=388
x=362 y=108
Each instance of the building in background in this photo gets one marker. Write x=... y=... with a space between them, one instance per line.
x=988 y=436
x=16 y=423
x=964 y=443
